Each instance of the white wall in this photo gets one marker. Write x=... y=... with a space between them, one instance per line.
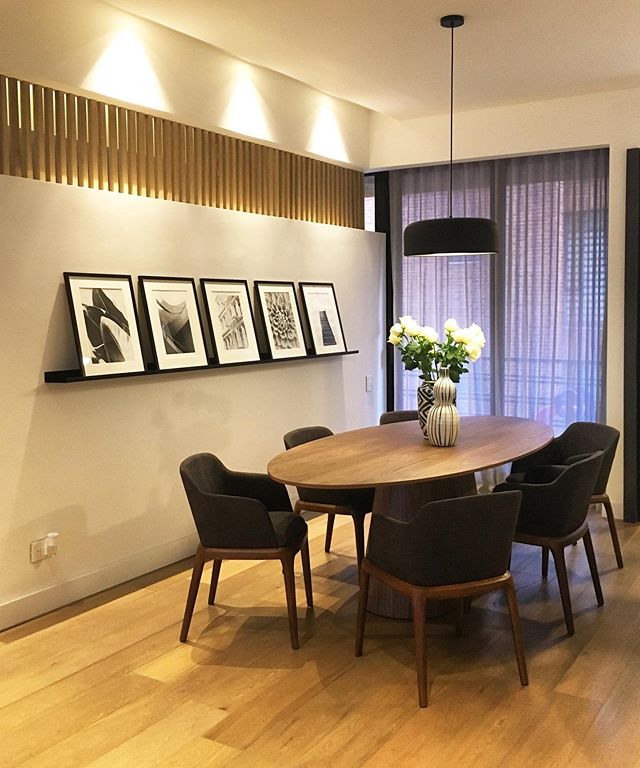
x=60 y=42
x=603 y=119
x=97 y=461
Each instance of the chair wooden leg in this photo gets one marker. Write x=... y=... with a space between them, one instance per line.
x=593 y=567
x=563 y=584
x=545 y=562
x=362 y=609
x=420 y=634
x=215 y=575
x=327 y=539
x=516 y=631
x=196 y=575
x=358 y=525
x=306 y=572
x=614 y=532
x=290 y=591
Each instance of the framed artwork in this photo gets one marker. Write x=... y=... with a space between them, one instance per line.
x=230 y=319
x=321 y=307
x=279 y=309
x=105 y=324
x=172 y=311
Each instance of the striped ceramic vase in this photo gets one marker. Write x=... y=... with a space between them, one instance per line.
x=443 y=421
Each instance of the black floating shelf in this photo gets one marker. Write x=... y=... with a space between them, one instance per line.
x=74 y=375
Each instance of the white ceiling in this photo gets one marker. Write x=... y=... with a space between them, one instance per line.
x=392 y=56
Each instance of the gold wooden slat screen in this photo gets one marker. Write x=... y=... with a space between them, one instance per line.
x=51 y=135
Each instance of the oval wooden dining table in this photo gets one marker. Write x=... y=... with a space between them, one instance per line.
x=407 y=471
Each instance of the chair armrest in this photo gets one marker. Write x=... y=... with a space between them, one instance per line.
x=387 y=547
x=549 y=454
x=258 y=486
x=542 y=475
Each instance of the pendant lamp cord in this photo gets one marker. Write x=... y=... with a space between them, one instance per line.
x=451 y=134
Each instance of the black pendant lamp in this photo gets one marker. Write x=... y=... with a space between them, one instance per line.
x=452 y=235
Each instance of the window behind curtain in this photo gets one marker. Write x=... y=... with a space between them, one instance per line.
x=541 y=301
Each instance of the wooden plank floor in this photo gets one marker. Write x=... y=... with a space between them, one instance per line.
x=105 y=682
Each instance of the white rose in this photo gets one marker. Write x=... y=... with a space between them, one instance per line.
x=477 y=335
x=406 y=321
x=451 y=325
x=473 y=350
x=429 y=333
x=397 y=329
x=394 y=339
x=462 y=336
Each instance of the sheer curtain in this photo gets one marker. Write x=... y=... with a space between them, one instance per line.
x=541 y=301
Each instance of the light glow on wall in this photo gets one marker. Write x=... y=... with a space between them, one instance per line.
x=125 y=73
x=245 y=112
x=326 y=138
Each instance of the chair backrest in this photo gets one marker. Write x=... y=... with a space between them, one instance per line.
x=584 y=437
x=559 y=507
x=391 y=417
x=305 y=435
x=223 y=520
x=448 y=542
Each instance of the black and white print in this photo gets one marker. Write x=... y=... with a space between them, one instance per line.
x=282 y=319
x=174 y=321
x=324 y=318
x=230 y=320
x=105 y=323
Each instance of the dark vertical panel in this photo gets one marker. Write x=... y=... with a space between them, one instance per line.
x=632 y=337
x=383 y=224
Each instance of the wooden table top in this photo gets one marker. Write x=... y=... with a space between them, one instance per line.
x=398 y=453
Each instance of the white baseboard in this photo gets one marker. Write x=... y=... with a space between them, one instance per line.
x=29 y=606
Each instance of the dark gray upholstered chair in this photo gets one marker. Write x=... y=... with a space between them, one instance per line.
x=577 y=440
x=242 y=516
x=553 y=515
x=451 y=549
x=391 y=417
x=355 y=502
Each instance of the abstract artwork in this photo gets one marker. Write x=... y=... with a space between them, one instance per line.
x=174 y=321
x=321 y=308
x=279 y=308
x=105 y=323
x=230 y=320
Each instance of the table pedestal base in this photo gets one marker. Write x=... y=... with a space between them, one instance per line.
x=402 y=502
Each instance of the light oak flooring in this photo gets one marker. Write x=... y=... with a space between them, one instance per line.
x=105 y=682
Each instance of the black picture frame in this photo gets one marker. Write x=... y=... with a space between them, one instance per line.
x=323 y=316
x=230 y=320
x=280 y=315
x=173 y=317
x=105 y=323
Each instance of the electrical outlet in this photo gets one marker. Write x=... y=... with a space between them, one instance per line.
x=42 y=549
x=368 y=383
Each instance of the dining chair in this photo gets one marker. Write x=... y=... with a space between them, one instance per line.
x=579 y=439
x=391 y=417
x=356 y=502
x=451 y=549
x=242 y=516
x=553 y=515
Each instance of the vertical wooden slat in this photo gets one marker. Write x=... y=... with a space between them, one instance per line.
x=39 y=171
x=167 y=164
x=5 y=130
x=197 y=167
x=113 y=175
x=82 y=145
x=190 y=193
x=71 y=129
x=26 y=149
x=141 y=154
x=275 y=182
x=205 y=161
x=151 y=137
x=123 y=179
x=156 y=175
x=60 y=145
x=93 y=145
x=232 y=179
x=15 y=165
x=132 y=151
